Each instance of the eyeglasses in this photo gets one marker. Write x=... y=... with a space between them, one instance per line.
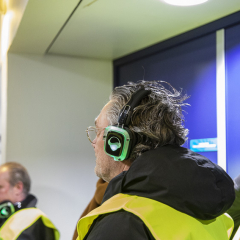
x=93 y=132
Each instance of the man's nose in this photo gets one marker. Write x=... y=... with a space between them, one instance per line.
x=94 y=142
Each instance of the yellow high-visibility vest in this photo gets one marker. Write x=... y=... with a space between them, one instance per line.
x=164 y=222
x=23 y=219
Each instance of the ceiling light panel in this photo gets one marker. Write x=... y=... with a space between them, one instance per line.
x=185 y=2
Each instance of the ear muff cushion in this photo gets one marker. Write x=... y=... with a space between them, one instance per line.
x=132 y=141
x=6 y=209
x=119 y=142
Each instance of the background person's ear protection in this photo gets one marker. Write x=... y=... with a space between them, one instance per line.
x=6 y=209
x=119 y=140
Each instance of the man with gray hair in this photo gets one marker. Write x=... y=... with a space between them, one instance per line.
x=157 y=189
x=19 y=217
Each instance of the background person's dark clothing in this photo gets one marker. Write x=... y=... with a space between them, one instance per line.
x=37 y=231
x=234 y=211
x=176 y=176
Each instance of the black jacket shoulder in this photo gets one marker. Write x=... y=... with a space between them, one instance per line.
x=37 y=231
x=118 y=226
x=179 y=178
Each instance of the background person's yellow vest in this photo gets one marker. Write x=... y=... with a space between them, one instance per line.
x=164 y=222
x=22 y=220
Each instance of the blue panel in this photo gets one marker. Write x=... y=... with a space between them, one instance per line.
x=192 y=67
x=232 y=39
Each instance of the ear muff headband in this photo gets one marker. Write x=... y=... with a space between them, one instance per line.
x=119 y=140
x=127 y=110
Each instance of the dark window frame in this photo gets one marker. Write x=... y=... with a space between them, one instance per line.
x=211 y=27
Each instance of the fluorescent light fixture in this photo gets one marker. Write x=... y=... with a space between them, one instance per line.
x=185 y=2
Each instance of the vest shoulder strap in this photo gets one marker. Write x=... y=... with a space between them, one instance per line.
x=22 y=220
x=164 y=222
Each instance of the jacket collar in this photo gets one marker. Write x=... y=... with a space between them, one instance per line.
x=180 y=178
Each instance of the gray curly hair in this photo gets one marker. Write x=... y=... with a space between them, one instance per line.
x=157 y=120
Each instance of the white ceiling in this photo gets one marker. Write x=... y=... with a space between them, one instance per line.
x=108 y=29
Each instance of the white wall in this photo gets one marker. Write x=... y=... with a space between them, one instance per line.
x=51 y=101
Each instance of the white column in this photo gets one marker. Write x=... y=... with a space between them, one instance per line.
x=221 y=107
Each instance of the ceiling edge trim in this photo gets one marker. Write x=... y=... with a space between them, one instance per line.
x=61 y=29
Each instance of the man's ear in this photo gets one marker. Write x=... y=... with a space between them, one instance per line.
x=18 y=188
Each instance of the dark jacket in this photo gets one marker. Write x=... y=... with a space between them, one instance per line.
x=37 y=231
x=176 y=176
x=234 y=211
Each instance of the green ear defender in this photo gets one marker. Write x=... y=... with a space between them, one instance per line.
x=6 y=209
x=118 y=139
